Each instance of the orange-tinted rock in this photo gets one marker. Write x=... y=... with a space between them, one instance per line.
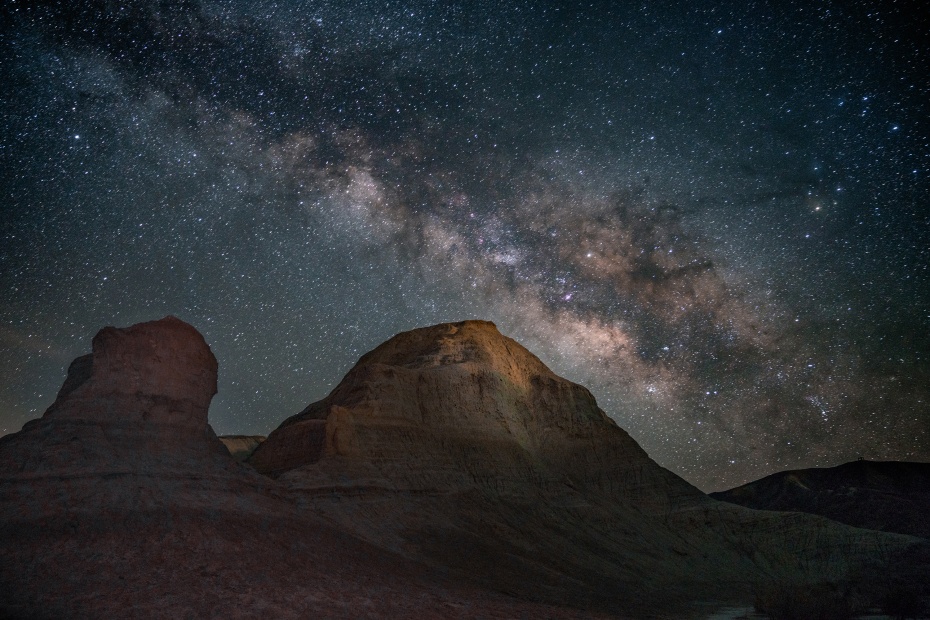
x=456 y=406
x=120 y=502
x=450 y=465
x=241 y=447
x=455 y=446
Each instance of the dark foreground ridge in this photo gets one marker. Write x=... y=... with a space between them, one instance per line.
x=890 y=496
x=450 y=474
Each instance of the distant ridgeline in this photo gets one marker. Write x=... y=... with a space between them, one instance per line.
x=889 y=496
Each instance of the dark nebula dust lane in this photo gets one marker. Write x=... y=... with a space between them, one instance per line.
x=715 y=216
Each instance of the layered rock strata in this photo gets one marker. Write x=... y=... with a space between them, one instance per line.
x=455 y=446
x=241 y=447
x=120 y=502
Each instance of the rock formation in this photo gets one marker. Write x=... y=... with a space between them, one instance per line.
x=454 y=446
x=450 y=474
x=121 y=502
x=878 y=495
x=241 y=447
x=456 y=407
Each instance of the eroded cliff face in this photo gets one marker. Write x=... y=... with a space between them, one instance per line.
x=160 y=372
x=450 y=465
x=141 y=394
x=455 y=446
x=459 y=406
x=121 y=502
x=241 y=447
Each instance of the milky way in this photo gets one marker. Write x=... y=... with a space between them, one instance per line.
x=716 y=216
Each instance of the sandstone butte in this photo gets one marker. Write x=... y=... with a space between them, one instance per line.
x=450 y=474
x=456 y=447
x=120 y=502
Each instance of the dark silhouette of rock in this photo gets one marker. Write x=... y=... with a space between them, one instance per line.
x=889 y=496
x=120 y=502
x=456 y=447
x=241 y=447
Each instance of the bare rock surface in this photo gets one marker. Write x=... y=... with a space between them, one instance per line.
x=459 y=406
x=160 y=372
x=241 y=447
x=454 y=446
x=120 y=502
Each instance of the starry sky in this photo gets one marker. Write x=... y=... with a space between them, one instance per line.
x=714 y=215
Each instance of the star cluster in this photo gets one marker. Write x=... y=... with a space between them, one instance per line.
x=716 y=216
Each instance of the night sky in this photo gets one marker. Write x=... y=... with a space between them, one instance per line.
x=716 y=216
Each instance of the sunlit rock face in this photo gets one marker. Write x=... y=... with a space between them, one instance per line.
x=455 y=446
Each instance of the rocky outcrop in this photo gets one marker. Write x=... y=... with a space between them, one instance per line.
x=889 y=496
x=241 y=447
x=161 y=373
x=455 y=446
x=121 y=502
x=449 y=467
x=456 y=407
x=143 y=392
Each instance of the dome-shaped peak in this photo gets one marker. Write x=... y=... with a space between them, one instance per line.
x=466 y=342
